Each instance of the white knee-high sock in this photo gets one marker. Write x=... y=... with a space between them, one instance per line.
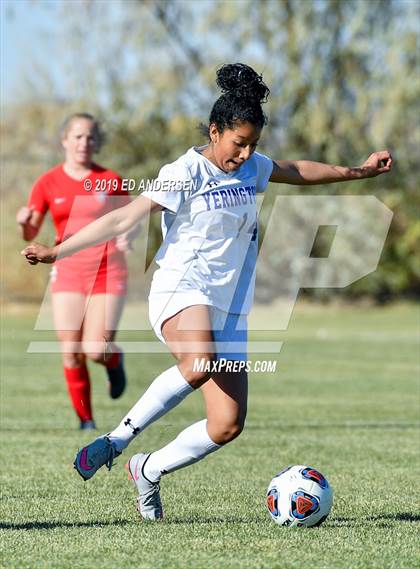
x=165 y=392
x=191 y=445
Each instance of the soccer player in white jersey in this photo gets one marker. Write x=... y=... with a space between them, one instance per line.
x=202 y=291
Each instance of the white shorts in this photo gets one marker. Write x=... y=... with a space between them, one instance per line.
x=230 y=331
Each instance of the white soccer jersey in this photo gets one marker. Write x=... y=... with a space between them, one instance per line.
x=210 y=230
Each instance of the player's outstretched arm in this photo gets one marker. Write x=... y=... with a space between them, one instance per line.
x=305 y=172
x=103 y=229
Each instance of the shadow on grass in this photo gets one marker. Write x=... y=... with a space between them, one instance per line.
x=203 y=520
x=400 y=517
x=168 y=521
x=334 y=522
x=211 y=520
x=54 y=525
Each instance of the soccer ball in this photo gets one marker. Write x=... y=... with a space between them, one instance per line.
x=299 y=496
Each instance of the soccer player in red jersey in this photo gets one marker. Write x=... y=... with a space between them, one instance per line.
x=88 y=289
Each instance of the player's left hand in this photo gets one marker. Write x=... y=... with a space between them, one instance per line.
x=36 y=253
x=377 y=163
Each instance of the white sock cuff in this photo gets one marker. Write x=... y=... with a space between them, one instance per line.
x=207 y=442
x=179 y=384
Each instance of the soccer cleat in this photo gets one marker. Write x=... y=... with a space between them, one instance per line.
x=117 y=379
x=92 y=457
x=87 y=425
x=149 y=504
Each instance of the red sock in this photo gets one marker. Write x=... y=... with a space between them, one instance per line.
x=78 y=386
x=113 y=361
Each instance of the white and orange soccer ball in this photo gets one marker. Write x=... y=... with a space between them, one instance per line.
x=299 y=496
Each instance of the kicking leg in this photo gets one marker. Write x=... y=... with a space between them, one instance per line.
x=174 y=384
x=226 y=399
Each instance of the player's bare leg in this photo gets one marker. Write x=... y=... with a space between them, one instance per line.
x=175 y=383
x=188 y=335
x=103 y=313
x=225 y=396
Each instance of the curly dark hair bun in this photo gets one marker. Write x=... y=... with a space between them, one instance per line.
x=243 y=91
x=241 y=80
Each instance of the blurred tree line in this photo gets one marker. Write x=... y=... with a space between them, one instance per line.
x=344 y=79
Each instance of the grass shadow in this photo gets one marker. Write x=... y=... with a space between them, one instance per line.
x=400 y=517
x=54 y=525
x=203 y=520
x=189 y=520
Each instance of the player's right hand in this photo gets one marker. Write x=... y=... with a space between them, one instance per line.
x=37 y=253
x=24 y=215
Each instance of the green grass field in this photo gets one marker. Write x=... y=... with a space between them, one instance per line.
x=344 y=399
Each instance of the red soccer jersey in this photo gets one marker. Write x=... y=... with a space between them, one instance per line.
x=73 y=204
x=56 y=191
